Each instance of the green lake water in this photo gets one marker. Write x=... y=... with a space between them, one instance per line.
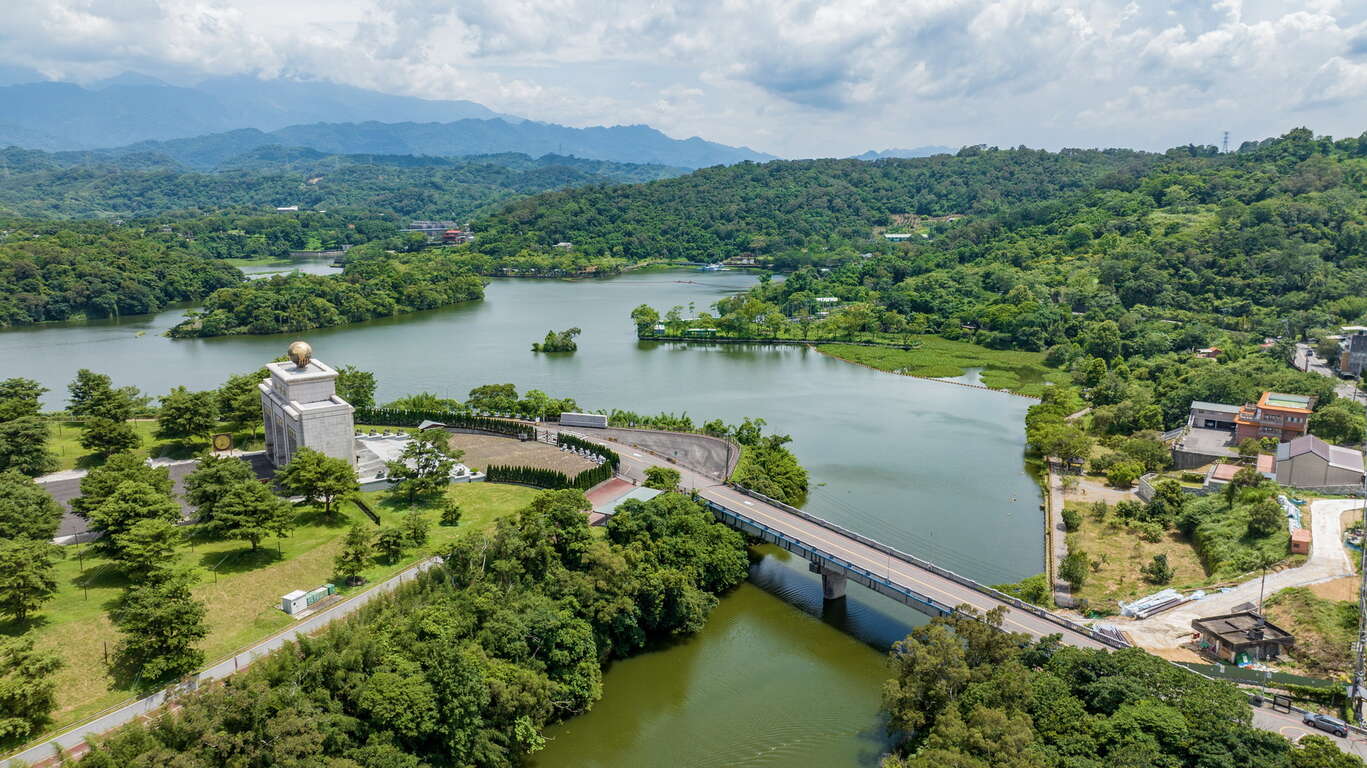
x=931 y=468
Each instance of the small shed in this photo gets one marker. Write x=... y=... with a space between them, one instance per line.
x=1300 y=541
x=294 y=602
x=1243 y=637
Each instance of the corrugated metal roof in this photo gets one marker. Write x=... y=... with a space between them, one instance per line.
x=1221 y=407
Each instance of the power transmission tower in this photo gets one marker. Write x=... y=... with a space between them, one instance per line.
x=1359 y=659
x=1224 y=145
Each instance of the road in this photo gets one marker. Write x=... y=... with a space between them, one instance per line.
x=1306 y=360
x=75 y=737
x=1291 y=726
x=904 y=574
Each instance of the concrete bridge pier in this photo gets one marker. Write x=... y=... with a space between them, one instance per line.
x=832 y=586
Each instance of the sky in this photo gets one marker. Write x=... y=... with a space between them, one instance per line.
x=789 y=77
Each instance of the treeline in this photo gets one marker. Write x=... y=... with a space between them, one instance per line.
x=465 y=665
x=781 y=208
x=374 y=284
x=548 y=478
x=52 y=273
x=72 y=185
x=966 y=694
x=570 y=441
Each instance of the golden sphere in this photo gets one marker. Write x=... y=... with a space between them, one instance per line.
x=300 y=353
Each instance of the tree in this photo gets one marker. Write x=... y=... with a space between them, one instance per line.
x=1265 y=517
x=1123 y=474
x=424 y=467
x=357 y=549
x=130 y=502
x=1103 y=340
x=147 y=551
x=1073 y=569
x=390 y=543
x=20 y=398
x=213 y=477
x=662 y=478
x=1246 y=477
x=1249 y=448
x=416 y=528
x=26 y=510
x=1158 y=571
x=493 y=398
x=450 y=512
x=1339 y=422
x=107 y=437
x=250 y=512
x=239 y=400
x=100 y=482
x=185 y=415
x=26 y=580
x=319 y=478
x=93 y=396
x=23 y=446
x=1066 y=442
x=1072 y=519
x=645 y=317
x=162 y=624
x=356 y=386
x=28 y=692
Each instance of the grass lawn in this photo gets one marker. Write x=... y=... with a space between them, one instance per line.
x=240 y=588
x=1122 y=553
x=1325 y=629
x=65 y=436
x=1021 y=372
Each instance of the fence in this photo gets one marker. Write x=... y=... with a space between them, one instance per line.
x=1002 y=597
x=395 y=417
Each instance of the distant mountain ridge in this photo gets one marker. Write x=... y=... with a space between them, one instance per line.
x=219 y=118
x=926 y=151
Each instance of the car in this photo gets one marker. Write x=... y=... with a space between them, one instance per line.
x=1326 y=723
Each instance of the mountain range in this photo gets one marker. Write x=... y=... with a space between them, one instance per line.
x=204 y=124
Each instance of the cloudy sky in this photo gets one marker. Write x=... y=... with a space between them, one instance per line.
x=790 y=77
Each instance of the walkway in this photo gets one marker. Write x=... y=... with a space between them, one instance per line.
x=1327 y=560
x=938 y=587
x=74 y=739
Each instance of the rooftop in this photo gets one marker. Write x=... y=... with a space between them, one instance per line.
x=1285 y=401
x=1238 y=629
x=1201 y=405
x=1335 y=455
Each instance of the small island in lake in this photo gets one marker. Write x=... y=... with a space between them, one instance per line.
x=557 y=342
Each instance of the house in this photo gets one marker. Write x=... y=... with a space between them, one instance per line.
x=898 y=237
x=286 y=208
x=564 y=245
x=1278 y=415
x=1300 y=541
x=1205 y=415
x=1209 y=353
x=1224 y=472
x=826 y=300
x=1242 y=637
x=1309 y=462
x=1352 y=351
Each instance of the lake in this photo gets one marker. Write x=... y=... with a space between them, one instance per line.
x=931 y=468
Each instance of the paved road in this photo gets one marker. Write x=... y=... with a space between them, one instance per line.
x=1291 y=726
x=1306 y=360
x=904 y=574
x=75 y=737
x=1327 y=560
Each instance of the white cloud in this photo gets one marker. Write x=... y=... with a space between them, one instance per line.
x=794 y=77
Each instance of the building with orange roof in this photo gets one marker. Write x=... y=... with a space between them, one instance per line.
x=1276 y=414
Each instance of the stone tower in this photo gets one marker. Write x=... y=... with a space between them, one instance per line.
x=301 y=409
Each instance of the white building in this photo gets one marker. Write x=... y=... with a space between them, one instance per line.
x=302 y=410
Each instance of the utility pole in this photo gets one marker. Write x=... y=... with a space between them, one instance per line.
x=1361 y=645
x=1224 y=145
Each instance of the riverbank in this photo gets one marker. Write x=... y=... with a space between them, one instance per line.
x=938 y=359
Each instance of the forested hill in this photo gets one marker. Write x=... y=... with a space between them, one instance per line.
x=782 y=206
x=36 y=184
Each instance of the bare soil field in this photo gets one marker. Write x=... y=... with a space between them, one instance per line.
x=483 y=450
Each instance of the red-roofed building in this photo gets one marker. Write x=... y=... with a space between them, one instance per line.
x=1278 y=415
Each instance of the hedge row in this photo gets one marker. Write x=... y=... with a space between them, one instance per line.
x=395 y=417
x=548 y=478
x=570 y=441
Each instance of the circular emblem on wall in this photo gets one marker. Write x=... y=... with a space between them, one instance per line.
x=223 y=442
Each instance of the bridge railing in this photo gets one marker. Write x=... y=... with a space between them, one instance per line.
x=792 y=544
x=997 y=595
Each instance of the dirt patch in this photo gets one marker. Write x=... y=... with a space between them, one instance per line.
x=483 y=450
x=1345 y=588
x=1183 y=653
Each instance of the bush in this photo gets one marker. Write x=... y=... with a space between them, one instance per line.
x=1102 y=463
x=1193 y=477
x=1222 y=541
x=1123 y=474
x=1072 y=520
x=1265 y=517
x=1100 y=510
x=1147 y=530
x=1033 y=589
x=450 y=513
x=1158 y=571
x=1129 y=509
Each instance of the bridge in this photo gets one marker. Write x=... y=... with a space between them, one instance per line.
x=841 y=555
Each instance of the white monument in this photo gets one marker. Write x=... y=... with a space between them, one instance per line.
x=302 y=410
